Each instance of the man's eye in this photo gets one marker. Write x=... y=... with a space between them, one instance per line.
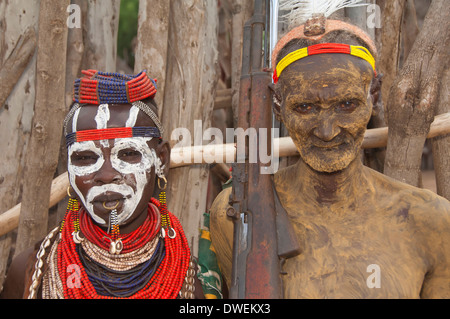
x=304 y=108
x=347 y=106
x=84 y=159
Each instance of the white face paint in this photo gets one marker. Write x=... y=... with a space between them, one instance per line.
x=102 y=119
x=132 y=194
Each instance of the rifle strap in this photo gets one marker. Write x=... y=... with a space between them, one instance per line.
x=288 y=245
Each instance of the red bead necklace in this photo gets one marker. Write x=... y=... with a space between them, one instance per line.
x=131 y=241
x=164 y=284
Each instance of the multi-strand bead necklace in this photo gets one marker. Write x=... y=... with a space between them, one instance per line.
x=152 y=266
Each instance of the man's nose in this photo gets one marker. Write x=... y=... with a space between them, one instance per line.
x=107 y=174
x=327 y=128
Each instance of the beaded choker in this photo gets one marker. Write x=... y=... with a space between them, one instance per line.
x=160 y=276
x=321 y=48
x=114 y=88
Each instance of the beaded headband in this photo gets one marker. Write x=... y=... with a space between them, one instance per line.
x=300 y=32
x=111 y=133
x=112 y=88
x=322 y=48
x=117 y=132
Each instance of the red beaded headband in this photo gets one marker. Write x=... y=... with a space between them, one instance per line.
x=111 y=133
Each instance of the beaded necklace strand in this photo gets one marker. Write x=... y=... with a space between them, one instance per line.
x=164 y=280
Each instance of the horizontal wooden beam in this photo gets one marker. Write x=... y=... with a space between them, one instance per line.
x=373 y=138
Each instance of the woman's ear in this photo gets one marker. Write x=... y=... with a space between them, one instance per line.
x=163 y=151
x=276 y=105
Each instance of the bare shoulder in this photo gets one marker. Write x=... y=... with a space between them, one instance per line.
x=429 y=209
x=428 y=214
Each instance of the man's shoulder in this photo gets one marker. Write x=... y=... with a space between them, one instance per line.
x=430 y=211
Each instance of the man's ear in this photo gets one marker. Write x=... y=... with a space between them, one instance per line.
x=375 y=94
x=163 y=151
x=276 y=105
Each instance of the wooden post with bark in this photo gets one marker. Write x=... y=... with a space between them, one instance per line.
x=413 y=97
x=100 y=35
x=441 y=144
x=191 y=72
x=390 y=44
x=15 y=64
x=16 y=113
x=49 y=111
x=151 y=50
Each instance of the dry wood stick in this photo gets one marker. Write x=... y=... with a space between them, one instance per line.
x=49 y=111
x=16 y=63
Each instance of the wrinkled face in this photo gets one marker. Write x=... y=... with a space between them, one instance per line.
x=113 y=172
x=326 y=107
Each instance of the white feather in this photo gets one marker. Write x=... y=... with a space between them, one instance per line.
x=298 y=11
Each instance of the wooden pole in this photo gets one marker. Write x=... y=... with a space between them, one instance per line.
x=151 y=50
x=10 y=219
x=373 y=138
x=390 y=44
x=15 y=64
x=192 y=73
x=16 y=113
x=49 y=111
x=412 y=99
x=441 y=144
x=100 y=25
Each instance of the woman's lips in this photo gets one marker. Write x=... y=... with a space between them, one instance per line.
x=108 y=201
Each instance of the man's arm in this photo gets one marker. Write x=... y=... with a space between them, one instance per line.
x=436 y=283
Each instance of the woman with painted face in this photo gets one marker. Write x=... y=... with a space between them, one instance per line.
x=117 y=240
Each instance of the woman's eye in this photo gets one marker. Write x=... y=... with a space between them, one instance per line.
x=304 y=108
x=80 y=159
x=347 y=106
x=130 y=155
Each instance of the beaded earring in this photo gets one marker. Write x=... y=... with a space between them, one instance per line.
x=73 y=208
x=166 y=227
x=116 y=245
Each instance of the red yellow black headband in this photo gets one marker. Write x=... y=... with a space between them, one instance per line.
x=321 y=48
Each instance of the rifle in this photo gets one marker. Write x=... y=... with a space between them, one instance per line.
x=261 y=241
